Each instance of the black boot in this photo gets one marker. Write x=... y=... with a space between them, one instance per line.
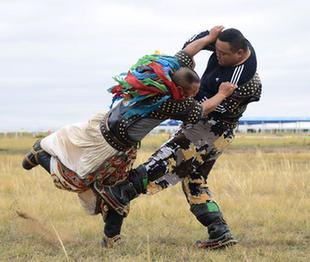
x=37 y=156
x=112 y=229
x=219 y=236
x=31 y=158
x=119 y=196
x=218 y=228
x=210 y=216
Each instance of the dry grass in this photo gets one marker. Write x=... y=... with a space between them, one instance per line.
x=265 y=196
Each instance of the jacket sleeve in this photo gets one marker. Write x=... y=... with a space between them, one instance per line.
x=184 y=59
x=210 y=47
x=236 y=104
x=187 y=110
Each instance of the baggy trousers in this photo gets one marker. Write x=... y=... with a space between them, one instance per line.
x=188 y=157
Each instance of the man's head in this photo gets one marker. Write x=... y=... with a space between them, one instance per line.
x=231 y=47
x=187 y=80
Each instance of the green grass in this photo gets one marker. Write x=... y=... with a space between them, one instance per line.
x=264 y=193
x=263 y=141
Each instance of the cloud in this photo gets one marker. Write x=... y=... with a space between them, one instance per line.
x=61 y=55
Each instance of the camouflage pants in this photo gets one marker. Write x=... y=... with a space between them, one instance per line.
x=188 y=157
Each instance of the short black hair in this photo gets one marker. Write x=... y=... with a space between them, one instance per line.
x=235 y=39
x=185 y=77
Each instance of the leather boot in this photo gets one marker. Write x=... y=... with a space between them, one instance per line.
x=219 y=236
x=119 y=196
x=37 y=156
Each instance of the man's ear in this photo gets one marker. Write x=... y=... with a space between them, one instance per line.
x=181 y=90
x=240 y=52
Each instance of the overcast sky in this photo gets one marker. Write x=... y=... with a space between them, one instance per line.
x=57 y=58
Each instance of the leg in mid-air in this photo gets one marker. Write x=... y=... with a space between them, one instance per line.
x=89 y=199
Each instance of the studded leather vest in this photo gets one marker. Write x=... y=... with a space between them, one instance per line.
x=232 y=108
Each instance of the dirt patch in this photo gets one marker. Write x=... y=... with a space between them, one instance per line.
x=48 y=234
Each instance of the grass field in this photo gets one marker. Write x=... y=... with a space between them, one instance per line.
x=262 y=184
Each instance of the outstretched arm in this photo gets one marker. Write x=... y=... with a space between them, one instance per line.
x=194 y=47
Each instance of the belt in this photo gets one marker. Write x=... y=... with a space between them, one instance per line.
x=111 y=138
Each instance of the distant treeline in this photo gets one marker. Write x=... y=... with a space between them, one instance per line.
x=23 y=134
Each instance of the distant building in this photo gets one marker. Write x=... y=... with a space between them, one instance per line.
x=275 y=126
x=258 y=125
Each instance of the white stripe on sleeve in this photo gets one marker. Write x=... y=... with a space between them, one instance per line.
x=236 y=75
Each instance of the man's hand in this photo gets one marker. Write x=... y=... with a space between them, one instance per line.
x=214 y=33
x=226 y=89
x=193 y=47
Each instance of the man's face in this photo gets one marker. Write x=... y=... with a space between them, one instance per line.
x=191 y=91
x=225 y=56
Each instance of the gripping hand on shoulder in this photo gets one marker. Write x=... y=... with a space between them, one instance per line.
x=226 y=89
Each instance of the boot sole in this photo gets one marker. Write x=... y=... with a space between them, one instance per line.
x=216 y=244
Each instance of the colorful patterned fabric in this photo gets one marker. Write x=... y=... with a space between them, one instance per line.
x=113 y=170
x=149 y=77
